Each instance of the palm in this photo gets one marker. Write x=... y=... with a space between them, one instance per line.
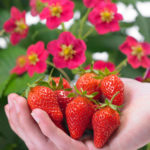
x=135 y=117
x=132 y=134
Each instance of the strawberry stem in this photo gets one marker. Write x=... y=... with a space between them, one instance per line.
x=60 y=70
x=121 y=65
x=114 y=97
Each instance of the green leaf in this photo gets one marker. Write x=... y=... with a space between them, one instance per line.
x=7 y=62
x=144 y=28
x=19 y=84
x=4 y=17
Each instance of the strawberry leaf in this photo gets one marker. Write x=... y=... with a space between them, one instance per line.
x=60 y=84
x=53 y=84
x=43 y=83
x=76 y=89
x=71 y=95
x=69 y=89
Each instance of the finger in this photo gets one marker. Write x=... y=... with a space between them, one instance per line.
x=8 y=116
x=91 y=146
x=13 y=119
x=56 y=135
x=26 y=120
x=28 y=130
x=130 y=88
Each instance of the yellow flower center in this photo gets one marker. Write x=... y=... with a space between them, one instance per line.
x=107 y=16
x=138 y=51
x=21 y=26
x=56 y=10
x=33 y=58
x=67 y=52
x=21 y=61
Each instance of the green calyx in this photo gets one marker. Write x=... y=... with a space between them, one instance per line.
x=106 y=72
x=50 y=83
x=109 y=103
x=30 y=86
x=84 y=94
x=80 y=70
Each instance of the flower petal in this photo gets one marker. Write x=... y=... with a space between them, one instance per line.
x=9 y=25
x=45 y=13
x=41 y=67
x=53 y=47
x=15 y=38
x=145 y=62
x=66 y=38
x=133 y=61
x=146 y=47
x=53 y=22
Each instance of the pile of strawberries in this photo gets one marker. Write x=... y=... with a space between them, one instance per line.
x=93 y=103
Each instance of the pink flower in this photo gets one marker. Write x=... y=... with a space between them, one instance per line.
x=20 y=67
x=37 y=56
x=140 y=79
x=67 y=51
x=16 y=26
x=37 y=6
x=138 y=53
x=92 y=3
x=105 y=18
x=101 y=65
x=57 y=12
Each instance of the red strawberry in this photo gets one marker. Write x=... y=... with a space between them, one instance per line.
x=95 y=110
x=78 y=115
x=63 y=99
x=105 y=122
x=45 y=99
x=88 y=83
x=110 y=85
x=66 y=84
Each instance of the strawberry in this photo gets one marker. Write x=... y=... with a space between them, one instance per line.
x=105 y=122
x=45 y=99
x=78 y=115
x=88 y=83
x=63 y=99
x=66 y=84
x=95 y=110
x=110 y=85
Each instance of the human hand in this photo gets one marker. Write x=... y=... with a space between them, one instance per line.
x=44 y=135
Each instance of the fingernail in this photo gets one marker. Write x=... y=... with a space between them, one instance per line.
x=35 y=117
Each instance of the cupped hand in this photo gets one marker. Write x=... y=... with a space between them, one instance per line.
x=39 y=133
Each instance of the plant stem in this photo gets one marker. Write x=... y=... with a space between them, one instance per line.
x=121 y=65
x=2 y=32
x=63 y=27
x=147 y=74
x=82 y=22
x=144 y=23
x=60 y=70
x=88 y=33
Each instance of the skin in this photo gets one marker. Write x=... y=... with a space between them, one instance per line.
x=39 y=133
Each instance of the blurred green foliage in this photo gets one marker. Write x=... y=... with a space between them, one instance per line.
x=95 y=43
